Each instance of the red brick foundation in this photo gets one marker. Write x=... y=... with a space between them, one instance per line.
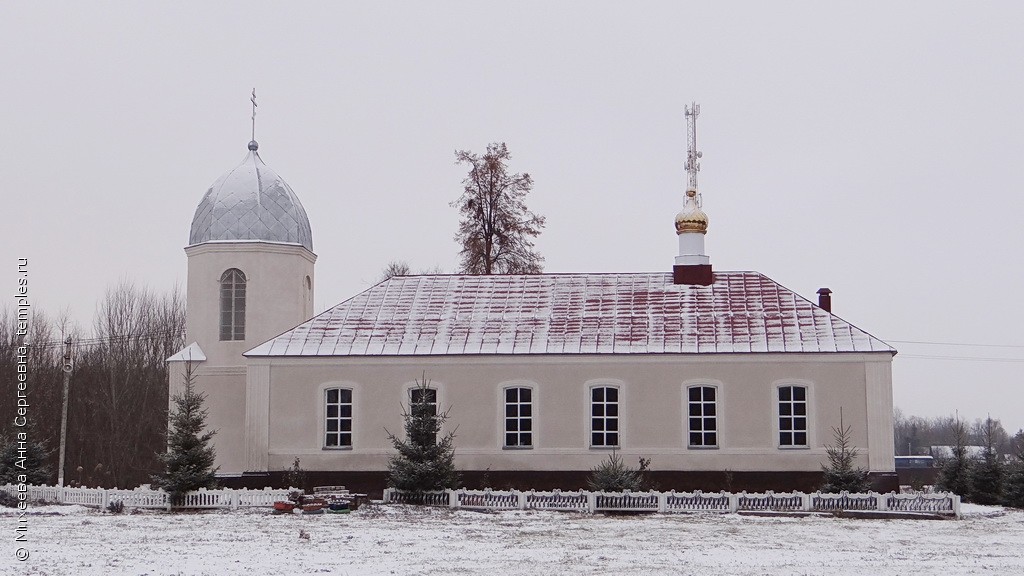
x=373 y=483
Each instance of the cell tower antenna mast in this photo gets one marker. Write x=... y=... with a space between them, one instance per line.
x=692 y=155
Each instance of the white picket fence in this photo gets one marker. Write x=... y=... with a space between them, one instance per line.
x=679 y=502
x=148 y=498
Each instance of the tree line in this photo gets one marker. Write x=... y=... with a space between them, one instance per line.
x=117 y=408
x=988 y=477
x=915 y=435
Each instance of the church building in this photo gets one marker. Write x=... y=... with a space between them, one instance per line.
x=723 y=379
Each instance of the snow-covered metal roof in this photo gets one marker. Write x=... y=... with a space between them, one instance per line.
x=251 y=202
x=571 y=314
x=190 y=353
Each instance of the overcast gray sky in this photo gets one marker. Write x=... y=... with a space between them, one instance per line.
x=872 y=147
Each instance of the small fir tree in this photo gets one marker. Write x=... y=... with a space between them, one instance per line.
x=1013 y=486
x=612 y=475
x=987 y=473
x=955 y=475
x=841 y=474
x=189 y=457
x=28 y=459
x=423 y=462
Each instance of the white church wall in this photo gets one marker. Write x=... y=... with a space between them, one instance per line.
x=275 y=286
x=651 y=403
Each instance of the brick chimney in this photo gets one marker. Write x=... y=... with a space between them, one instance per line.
x=825 y=299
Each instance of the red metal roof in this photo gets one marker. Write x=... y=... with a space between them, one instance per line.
x=645 y=313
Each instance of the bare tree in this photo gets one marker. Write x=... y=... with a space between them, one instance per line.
x=496 y=229
x=137 y=331
x=117 y=409
x=394 y=268
x=402 y=268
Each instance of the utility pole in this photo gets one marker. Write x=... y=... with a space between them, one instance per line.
x=64 y=410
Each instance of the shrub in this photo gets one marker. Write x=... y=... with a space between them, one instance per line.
x=295 y=477
x=8 y=500
x=612 y=475
x=115 y=507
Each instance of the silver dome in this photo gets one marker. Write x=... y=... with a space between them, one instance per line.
x=251 y=202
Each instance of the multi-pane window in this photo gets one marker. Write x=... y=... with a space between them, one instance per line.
x=792 y=416
x=338 y=418
x=604 y=416
x=423 y=401
x=427 y=397
x=232 y=305
x=703 y=416
x=518 y=417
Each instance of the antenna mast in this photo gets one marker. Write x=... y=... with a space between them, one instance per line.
x=692 y=155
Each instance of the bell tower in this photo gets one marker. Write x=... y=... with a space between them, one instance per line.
x=250 y=262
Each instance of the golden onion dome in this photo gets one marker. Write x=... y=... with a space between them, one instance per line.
x=691 y=218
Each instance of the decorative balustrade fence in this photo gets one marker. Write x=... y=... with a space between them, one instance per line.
x=680 y=502
x=147 y=498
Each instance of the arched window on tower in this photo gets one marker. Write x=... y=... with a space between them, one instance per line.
x=232 y=305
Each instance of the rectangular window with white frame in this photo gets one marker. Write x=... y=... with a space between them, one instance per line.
x=518 y=418
x=338 y=418
x=793 y=416
x=604 y=417
x=702 y=419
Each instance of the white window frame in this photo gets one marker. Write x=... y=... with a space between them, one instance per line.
x=618 y=386
x=717 y=402
x=325 y=417
x=808 y=417
x=503 y=415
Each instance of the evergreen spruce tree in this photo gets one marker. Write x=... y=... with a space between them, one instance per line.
x=612 y=475
x=1013 y=486
x=423 y=462
x=955 y=475
x=987 y=473
x=28 y=459
x=841 y=474
x=189 y=457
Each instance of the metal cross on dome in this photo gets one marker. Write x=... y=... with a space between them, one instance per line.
x=253 y=100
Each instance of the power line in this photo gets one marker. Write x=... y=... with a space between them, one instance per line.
x=962 y=358
x=955 y=344
x=120 y=339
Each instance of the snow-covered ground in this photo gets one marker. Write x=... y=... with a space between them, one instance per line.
x=411 y=540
